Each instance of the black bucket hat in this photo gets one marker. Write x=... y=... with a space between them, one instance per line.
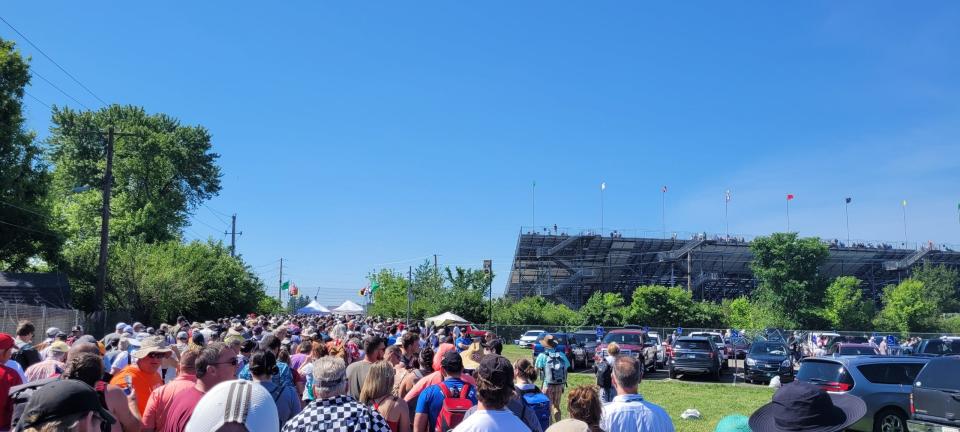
x=803 y=407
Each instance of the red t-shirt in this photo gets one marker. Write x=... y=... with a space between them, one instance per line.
x=180 y=410
x=8 y=378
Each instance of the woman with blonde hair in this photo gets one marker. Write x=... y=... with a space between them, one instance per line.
x=377 y=391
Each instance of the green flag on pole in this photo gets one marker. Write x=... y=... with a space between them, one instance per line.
x=285 y=285
x=374 y=286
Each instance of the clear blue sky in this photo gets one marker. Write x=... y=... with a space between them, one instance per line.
x=355 y=134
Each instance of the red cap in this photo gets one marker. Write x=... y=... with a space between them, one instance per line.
x=6 y=342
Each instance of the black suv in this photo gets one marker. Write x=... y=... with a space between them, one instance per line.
x=694 y=355
x=935 y=401
x=938 y=347
x=766 y=360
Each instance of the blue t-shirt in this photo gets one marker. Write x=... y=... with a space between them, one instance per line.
x=431 y=400
x=392 y=340
x=463 y=340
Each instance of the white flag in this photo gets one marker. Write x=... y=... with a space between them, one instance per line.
x=603 y=185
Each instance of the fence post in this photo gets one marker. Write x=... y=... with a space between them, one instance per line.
x=76 y=318
x=43 y=318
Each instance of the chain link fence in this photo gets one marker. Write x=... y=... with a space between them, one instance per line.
x=42 y=318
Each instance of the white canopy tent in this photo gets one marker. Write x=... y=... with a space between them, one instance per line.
x=348 y=308
x=445 y=319
x=314 y=308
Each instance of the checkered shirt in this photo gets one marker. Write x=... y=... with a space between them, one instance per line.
x=339 y=413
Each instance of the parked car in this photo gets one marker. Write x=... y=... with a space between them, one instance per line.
x=722 y=350
x=767 y=360
x=741 y=346
x=529 y=338
x=584 y=345
x=564 y=345
x=661 y=350
x=939 y=347
x=698 y=355
x=629 y=340
x=883 y=382
x=852 y=349
x=935 y=398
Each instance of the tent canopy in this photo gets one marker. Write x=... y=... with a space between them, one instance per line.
x=348 y=308
x=445 y=319
x=313 y=308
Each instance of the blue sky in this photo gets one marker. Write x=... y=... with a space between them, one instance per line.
x=360 y=135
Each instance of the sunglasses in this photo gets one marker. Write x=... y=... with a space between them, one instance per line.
x=157 y=355
x=233 y=362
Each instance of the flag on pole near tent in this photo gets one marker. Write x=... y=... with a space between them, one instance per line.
x=664 y=190
x=789 y=197
x=374 y=286
x=848 y=200
x=726 y=195
x=285 y=285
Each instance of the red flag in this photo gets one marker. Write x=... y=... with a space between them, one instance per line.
x=789 y=197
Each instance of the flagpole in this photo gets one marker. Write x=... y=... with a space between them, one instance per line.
x=726 y=212
x=663 y=211
x=788 y=215
x=534 y=227
x=846 y=209
x=905 y=241
x=602 y=187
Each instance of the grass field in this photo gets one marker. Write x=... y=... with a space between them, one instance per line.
x=714 y=401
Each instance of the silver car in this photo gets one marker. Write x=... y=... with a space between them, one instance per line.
x=883 y=382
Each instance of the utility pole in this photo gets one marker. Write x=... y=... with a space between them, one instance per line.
x=280 y=285
x=410 y=288
x=233 y=235
x=436 y=267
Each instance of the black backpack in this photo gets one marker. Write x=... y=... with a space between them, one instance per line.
x=604 y=372
x=20 y=395
x=26 y=355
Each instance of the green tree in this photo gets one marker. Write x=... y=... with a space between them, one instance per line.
x=941 y=281
x=908 y=307
x=390 y=299
x=268 y=306
x=845 y=307
x=160 y=175
x=744 y=313
x=660 y=306
x=786 y=269
x=26 y=230
x=296 y=302
x=606 y=309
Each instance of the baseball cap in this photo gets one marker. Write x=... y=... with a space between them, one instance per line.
x=121 y=325
x=452 y=362
x=237 y=401
x=6 y=342
x=59 y=346
x=52 y=332
x=496 y=370
x=182 y=335
x=59 y=399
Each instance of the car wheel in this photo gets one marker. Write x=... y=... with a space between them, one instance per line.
x=672 y=373
x=889 y=420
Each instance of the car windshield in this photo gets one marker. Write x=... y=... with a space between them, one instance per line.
x=768 y=348
x=623 y=338
x=857 y=350
x=699 y=345
x=532 y=333
x=583 y=337
x=714 y=337
x=940 y=346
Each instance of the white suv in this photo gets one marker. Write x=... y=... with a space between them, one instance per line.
x=529 y=338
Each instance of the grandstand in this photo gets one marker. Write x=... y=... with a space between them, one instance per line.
x=569 y=268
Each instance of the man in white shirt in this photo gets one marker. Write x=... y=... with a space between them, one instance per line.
x=629 y=412
x=494 y=390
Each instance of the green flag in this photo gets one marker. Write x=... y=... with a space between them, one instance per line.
x=374 y=285
x=285 y=285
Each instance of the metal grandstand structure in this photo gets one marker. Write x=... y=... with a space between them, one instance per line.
x=569 y=268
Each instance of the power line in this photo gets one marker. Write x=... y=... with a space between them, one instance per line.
x=54 y=62
x=38 y=99
x=214 y=212
x=30 y=229
x=21 y=208
x=60 y=90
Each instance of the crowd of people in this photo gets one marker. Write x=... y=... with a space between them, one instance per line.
x=309 y=373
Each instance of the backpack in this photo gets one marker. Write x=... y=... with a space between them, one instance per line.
x=555 y=371
x=26 y=355
x=604 y=372
x=454 y=407
x=539 y=403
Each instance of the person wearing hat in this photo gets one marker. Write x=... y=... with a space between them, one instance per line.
x=111 y=339
x=8 y=378
x=53 y=365
x=64 y=405
x=217 y=409
x=144 y=373
x=804 y=407
x=494 y=391
x=431 y=400
x=216 y=363
x=158 y=403
x=629 y=411
x=75 y=333
x=553 y=390
x=182 y=341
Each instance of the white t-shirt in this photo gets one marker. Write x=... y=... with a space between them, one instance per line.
x=491 y=421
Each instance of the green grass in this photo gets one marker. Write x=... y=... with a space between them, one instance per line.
x=714 y=401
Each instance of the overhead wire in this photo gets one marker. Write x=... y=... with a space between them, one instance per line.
x=34 y=72
x=25 y=38
x=38 y=99
x=52 y=234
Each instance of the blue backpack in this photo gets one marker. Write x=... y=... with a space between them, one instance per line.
x=535 y=400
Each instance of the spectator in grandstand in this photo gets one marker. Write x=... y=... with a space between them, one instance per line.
x=585 y=409
x=143 y=376
x=159 y=400
x=430 y=402
x=334 y=409
x=263 y=364
x=373 y=348
x=629 y=411
x=64 y=405
x=53 y=365
x=494 y=390
x=216 y=363
x=235 y=406
x=553 y=367
x=377 y=391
